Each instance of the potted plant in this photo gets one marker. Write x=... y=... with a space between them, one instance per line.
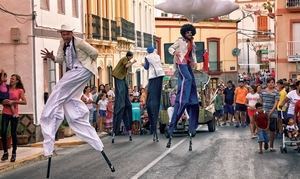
x=9 y=139
x=21 y=135
x=61 y=132
x=68 y=132
x=269 y=6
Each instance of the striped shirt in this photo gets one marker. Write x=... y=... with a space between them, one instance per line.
x=269 y=99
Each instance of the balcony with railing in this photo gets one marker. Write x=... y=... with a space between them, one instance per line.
x=105 y=28
x=95 y=26
x=139 y=38
x=293 y=5
x=114 y=30
x=293 y=51
x=126 y=29
x=147 y=40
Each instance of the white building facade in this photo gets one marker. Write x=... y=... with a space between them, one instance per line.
x=255 y=30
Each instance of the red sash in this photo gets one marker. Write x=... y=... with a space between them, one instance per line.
x=187 y=56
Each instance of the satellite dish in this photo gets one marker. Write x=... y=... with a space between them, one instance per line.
x=236 y=52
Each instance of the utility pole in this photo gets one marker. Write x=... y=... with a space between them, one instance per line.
x=248 y=43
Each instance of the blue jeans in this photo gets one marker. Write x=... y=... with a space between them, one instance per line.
x=262 y=136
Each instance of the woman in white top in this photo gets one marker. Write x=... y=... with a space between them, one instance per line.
x=87 y=98
x=292 y=97
x=101 y=110
x=251 y=99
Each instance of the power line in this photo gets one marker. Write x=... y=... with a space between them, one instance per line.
x=14 y=14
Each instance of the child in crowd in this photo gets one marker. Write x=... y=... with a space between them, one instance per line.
x=292 y=129
x=136 y=116
x=4 y=94
x=145 y=123
x=219 y=106
x=252 y=98
x=101 y=107
x=261 y=120
x=109 y=114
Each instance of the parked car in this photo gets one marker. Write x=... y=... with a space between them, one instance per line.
x=206 y=99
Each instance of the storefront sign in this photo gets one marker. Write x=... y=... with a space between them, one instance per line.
x=294 y=58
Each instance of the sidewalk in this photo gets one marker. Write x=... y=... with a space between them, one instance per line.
x=34 y=152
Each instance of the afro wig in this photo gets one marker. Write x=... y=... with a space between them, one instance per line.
x=187 y=27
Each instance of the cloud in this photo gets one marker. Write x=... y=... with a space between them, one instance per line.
x=197 y=10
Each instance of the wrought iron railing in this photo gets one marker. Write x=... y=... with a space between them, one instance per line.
x=114 y=30
x=139 y=38
x=293 y=3
x=126 y=29
x=96 y=24
x=147 y=40
x=293 y=48
x=105 y=28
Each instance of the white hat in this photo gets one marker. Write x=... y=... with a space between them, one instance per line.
x=66 y=28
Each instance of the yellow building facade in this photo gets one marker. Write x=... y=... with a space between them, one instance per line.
x=218 y=37
x=115 y=27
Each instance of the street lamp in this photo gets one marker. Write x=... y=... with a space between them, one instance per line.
x=248 y=43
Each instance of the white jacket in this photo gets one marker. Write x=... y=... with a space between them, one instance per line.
x=181 y=46
x=155 y=67
x=86 y=54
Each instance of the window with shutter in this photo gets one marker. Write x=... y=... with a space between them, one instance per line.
x=262 y=26
x=61 y=6
x=75 y=8
x=45 y=4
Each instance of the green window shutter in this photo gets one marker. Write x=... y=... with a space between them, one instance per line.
x=168 y=56
x=199 y=51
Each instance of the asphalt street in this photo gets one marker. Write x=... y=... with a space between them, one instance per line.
x=226 y=153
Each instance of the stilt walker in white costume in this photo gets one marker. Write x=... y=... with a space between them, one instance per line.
x=64 y=100
x=156 y=74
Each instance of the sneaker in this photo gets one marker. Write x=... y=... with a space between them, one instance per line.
x=266 y=146
x=103 y=133
x=237 y=125
x=224 y=124
x=13 y=158
x=253 y=136
x=272 y=150
x=4 y=156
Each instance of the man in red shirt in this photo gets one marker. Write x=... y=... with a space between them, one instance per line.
x=261 y=120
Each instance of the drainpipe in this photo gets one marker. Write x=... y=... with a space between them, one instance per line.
x=34 y=64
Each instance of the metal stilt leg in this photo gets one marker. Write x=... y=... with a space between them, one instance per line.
x=130 y=137
x=113 y=138
x=169 y=142
x=190 y=147
x=49 y=167
x=112 y=168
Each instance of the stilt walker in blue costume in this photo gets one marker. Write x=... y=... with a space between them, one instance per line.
x=184 y=51
x=156 y=74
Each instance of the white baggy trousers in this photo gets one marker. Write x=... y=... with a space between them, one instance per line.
x=65 y=100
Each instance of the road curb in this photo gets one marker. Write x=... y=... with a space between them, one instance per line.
x=62 y=144
x=20 y=162
x=39 y=156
